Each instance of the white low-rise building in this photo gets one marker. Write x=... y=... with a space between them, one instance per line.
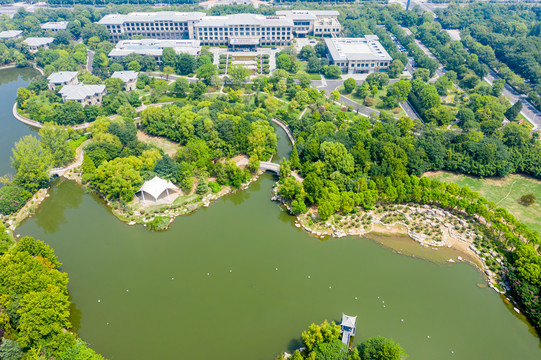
x=358 y=55
x=36 y=43
x=10 y=34
x=54 y=26
x=154 y=47
x=83 y=94
x=62 y=78
x=128 y=77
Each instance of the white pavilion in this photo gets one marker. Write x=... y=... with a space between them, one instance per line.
x=158 y=191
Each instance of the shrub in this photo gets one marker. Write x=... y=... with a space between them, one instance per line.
x=369 y=101
x=12 y=199
x=10 y=350
x=159 y=223
x=214 y=186
x=528 y=199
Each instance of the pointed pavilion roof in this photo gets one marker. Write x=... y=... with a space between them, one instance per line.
x=157 y=186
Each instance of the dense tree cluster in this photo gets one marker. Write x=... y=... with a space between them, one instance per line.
x=117 y=163
x=508 y=38
x=32 y=159
x=34 y=306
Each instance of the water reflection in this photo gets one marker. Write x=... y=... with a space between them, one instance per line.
x=61 y=199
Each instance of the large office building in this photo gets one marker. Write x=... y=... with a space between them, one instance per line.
x=313 y=22
x=358 y=55
x=244 y=30
x=233 y=30
x=155 y=25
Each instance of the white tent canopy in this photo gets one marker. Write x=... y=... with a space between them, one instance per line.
x=156 y=187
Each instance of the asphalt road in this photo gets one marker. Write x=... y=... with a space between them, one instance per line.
x=528 y=110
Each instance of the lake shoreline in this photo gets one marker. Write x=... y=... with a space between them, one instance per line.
x=429 y=227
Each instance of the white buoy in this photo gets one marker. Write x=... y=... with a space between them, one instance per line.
x=208 y=274
x=308 y=276
x=428 y=336
x=452 y=352
x=378 y=297
x=330 y=287
x=383 y=302
x=99 y=300
x=402 y=320
x=276 y=268
x=383 y=305
x=172 y=278
x=230 y=270
x=355 y=297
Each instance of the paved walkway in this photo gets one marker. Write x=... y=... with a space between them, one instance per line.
x=79 y=156
x=286 y=128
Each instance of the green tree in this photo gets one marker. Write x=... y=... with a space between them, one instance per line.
x=396 y=68
x=308 y=52
x=314 y=65
x=318 y=334
x=515 y=134
x=283 y=61
x=512 y=113
x=169 y=57
x=114 y=85
x=238 y=74
x=32 y=163
x=44 y=314
x=380 y=348
x=134 y=66
x=186 y=64
x=528 y=199
x=10 y=350
x=349 y=85
x=332 y=72
x=168 y=70
x=423 y=74
x=54 y=140
x=294 y=159
x=119 y=178
x=89 y=168
x=202 y=187
x=206 y=72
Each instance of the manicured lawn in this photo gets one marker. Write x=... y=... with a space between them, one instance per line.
x=378 y=102
x=505 y=192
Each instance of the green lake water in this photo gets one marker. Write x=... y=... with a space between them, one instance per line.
x=238 y=281
x=11 y=129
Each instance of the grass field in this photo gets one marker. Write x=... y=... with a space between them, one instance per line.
x=505 y=192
